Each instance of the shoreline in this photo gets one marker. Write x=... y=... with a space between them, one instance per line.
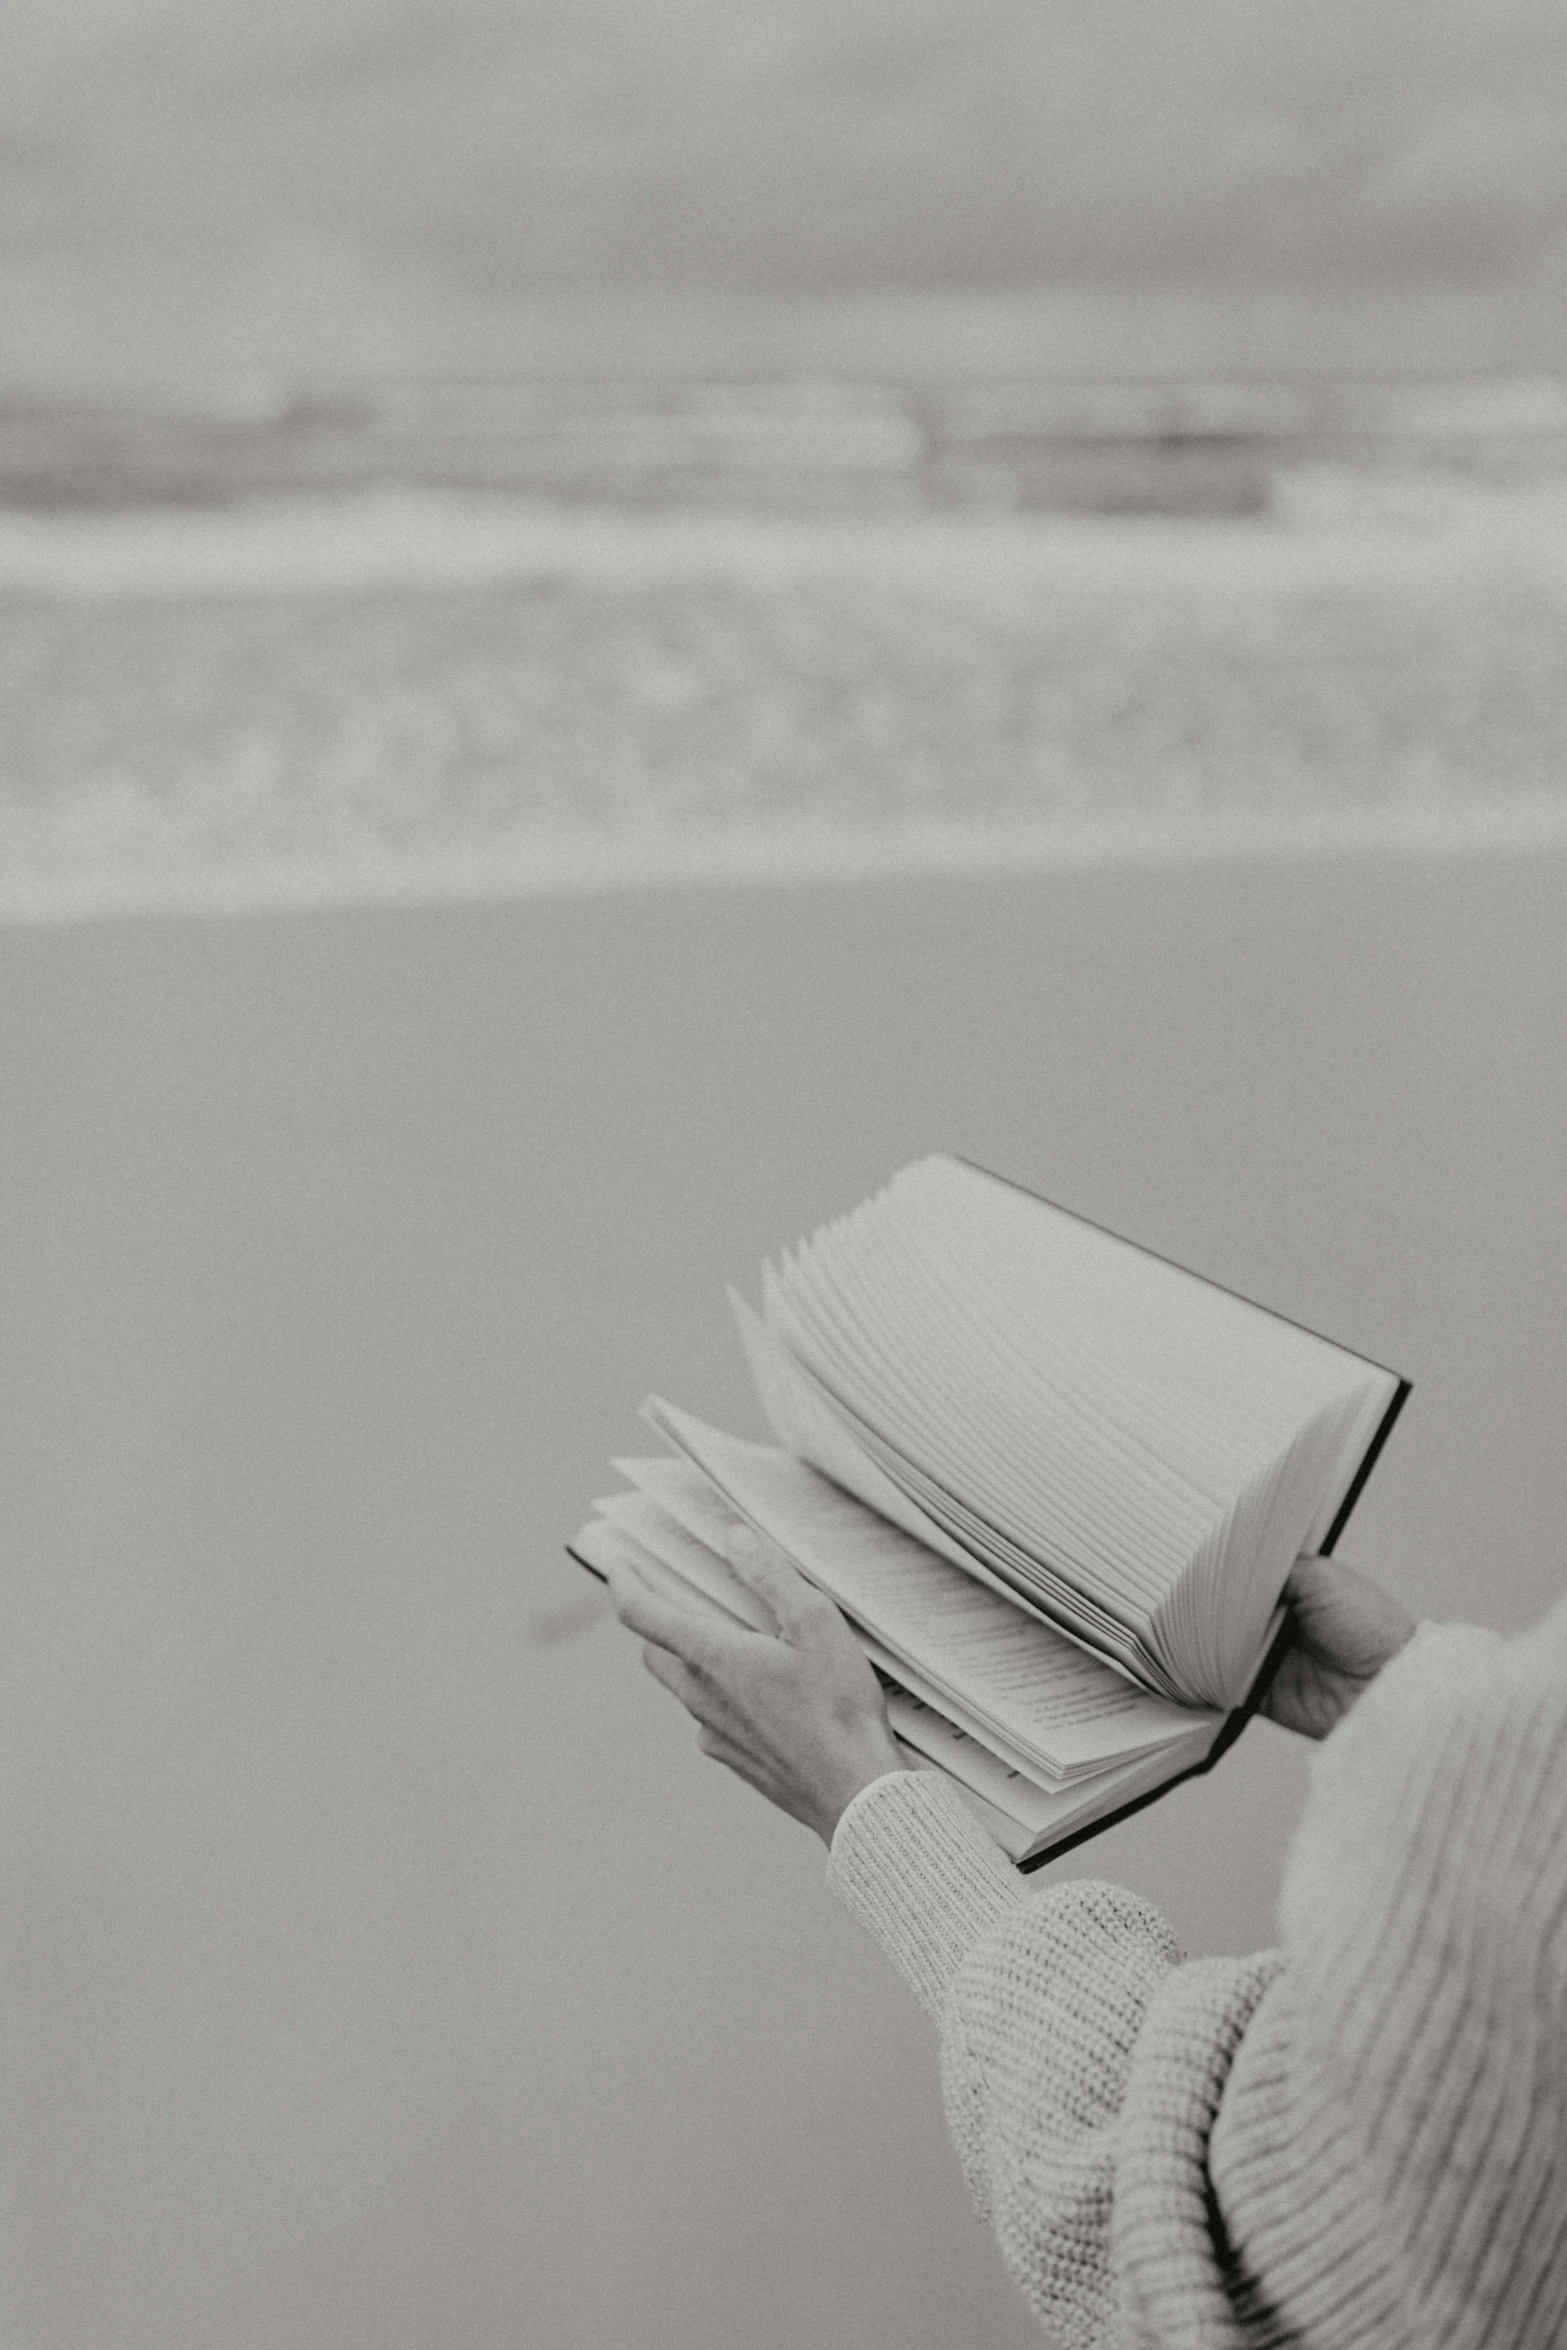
x=574 y=864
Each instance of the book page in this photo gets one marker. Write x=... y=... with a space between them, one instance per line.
x=1043 y=1811
x=1035 y=1808
x=603 y=1546
x=1033 y=1682
x=656 y=1531
x=1018 y=1811
x=1138 y=1447
x=1373 y=1410
x=924 y=1356
x=807 y=1425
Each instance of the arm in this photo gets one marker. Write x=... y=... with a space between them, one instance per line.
x=1040 y=1997
x=1042 y=2000
x=1082 y=2062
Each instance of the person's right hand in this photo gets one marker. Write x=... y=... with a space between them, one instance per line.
x=1344 y=1628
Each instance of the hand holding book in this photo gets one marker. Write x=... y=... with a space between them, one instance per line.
x=795 y=1709
x=799 y=1715
x=1343 y=1629
x=1054 y=1484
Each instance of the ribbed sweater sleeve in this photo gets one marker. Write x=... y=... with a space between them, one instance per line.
x=926 y=1880
x=1392 y=2154
x=1081 y=2062
x=1356 y=2143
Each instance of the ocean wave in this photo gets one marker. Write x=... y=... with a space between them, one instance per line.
x=416 y=696
x=1326 y=523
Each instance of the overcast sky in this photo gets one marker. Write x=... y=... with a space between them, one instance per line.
x=499 y=149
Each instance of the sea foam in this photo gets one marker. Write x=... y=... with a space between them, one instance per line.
x=414 y=695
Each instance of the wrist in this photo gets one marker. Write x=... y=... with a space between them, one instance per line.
x=875 y=1761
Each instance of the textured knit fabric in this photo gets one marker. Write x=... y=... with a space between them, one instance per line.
x=1355 y=2142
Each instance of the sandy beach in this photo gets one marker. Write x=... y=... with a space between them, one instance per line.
x=382 y=1964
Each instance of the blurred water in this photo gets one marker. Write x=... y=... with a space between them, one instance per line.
x=419 y=691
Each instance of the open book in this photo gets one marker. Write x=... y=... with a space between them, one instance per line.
x=1054 y=1482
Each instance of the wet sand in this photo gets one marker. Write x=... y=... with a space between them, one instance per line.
x=382 y=1965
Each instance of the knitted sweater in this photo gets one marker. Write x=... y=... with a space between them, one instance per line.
x=1357 y=2141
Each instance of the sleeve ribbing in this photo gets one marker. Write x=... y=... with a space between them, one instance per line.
x=922 y=1876
x=1041 y=1998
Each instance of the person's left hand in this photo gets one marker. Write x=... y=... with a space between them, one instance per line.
x=796 y=1713
x=1343 y=1629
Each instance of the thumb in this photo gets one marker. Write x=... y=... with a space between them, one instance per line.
x=1354 y=1622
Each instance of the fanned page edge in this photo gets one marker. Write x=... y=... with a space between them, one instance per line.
x=803 y=1423
x=1351 y=1487
x=786 y=1392
x=1045 y=1201
x=1402 y=1391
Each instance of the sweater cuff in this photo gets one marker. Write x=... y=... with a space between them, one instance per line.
x=921 y=1874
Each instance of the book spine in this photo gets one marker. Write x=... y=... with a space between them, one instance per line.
x=1384 y=1431
x=1229 y=1731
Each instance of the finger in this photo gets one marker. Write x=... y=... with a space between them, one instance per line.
x=798 y=1608
x=676 y=1675
x=704 y=1702
x=719 y=1748
x=678 y=1629
x=1310 y=1576
x=738 y=1759
x=1320 y=1590
x=1342 y=1605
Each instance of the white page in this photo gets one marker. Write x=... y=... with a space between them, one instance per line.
x=683 y=1492
x=947 y=1393
x=1115 y=1330
x=1115 y=1417
x=806 y=1424
x=655 y=1530
x=1071 y=1454
x=1380 y=1391
x=1044 y=1691
x=1014 y=1420
x=1224 y=1383
x=1040 y=1810
x=1035 y=1808
x=1220 y=1383
x=908 y=1369
x=978 y=1414
x=605 y=1546
x=865 y=1316
x=991 y=1556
